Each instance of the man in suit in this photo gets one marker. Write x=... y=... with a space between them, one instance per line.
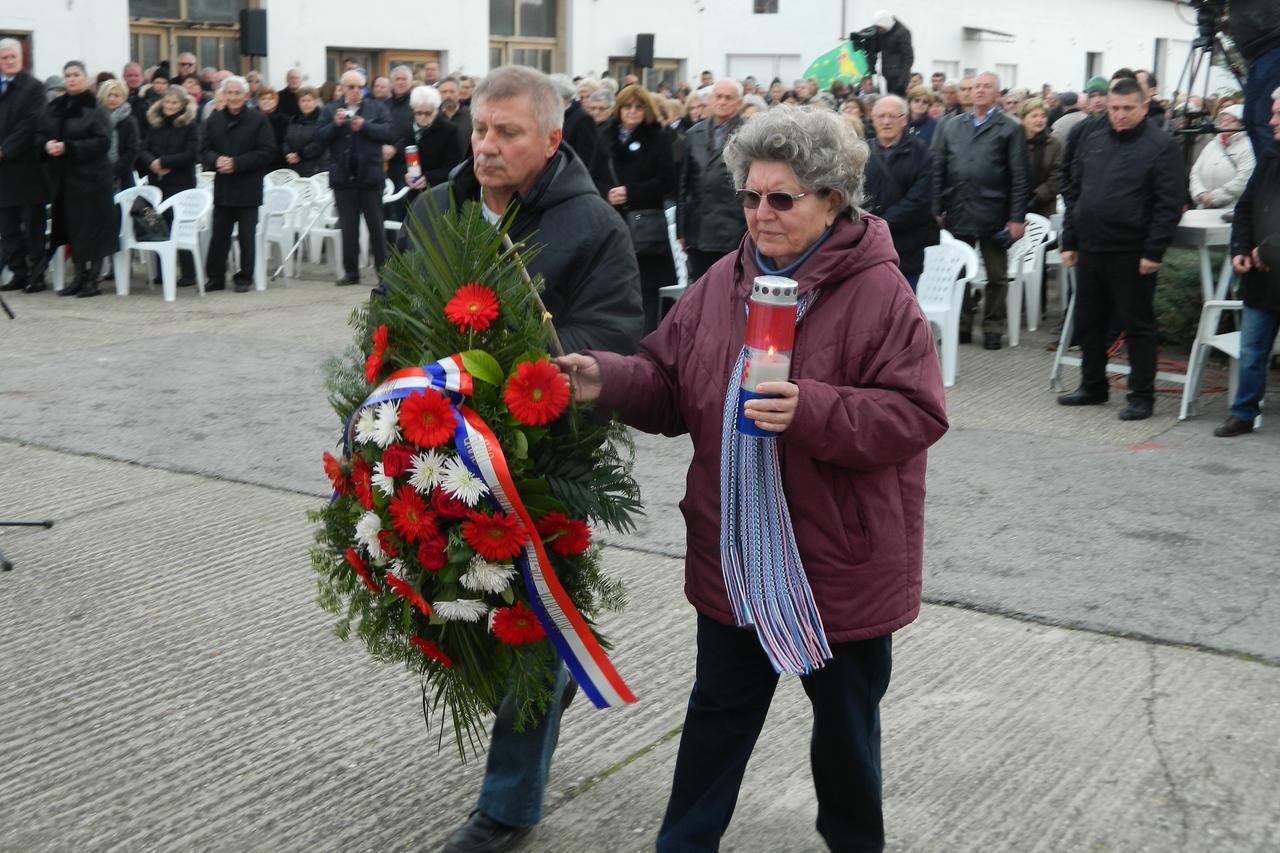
x=22 y=188
x=709 y=219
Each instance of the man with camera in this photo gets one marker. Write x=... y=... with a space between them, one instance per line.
x=1254 y=26
x=888 y=39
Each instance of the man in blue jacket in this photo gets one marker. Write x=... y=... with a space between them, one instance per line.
x=355 y=129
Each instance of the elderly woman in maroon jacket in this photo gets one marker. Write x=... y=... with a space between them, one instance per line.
x=849 y=433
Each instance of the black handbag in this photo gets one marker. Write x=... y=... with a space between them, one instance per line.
x=648 y=228
x=149 y=226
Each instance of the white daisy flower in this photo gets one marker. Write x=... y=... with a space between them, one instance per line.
x=459 y=482
x=367 y=530
x=385 y=484
x=427 y=469
x=462 y=610
x=487 y=577
x=386 y=428
x=366 y=425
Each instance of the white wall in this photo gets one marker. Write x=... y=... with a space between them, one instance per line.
x=599 y=29
x=93 y=31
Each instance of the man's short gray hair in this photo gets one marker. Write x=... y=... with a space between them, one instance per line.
x=564 y=87
x=234 y=80
x=816 y=143
x=406 y=69
x=893 y=99
x=357 y=74
x=603 y=96
x=737 y=87
x=1275 y=96
x=993 y=75
x=516 y=81
x=424 y=96
x=6 y=44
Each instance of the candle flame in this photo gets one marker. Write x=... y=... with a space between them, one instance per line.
x=772 y=351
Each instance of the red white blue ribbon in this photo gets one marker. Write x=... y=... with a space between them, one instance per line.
x=480 y=451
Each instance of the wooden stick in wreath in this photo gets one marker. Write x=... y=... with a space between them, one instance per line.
x=556 y=347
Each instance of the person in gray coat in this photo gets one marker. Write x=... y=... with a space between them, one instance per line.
x=709 y=219
x=981 y=191
x=22 y=186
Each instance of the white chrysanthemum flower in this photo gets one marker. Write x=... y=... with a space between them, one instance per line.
x=367 y=530
x=366 y=425
x=385 y=484
x=461 y=483
x=397 y=567
x=487 y=577
x=386 y=428
x=427 y=469
x=462 y=610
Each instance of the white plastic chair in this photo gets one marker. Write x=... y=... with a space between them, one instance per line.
x=940 y=293
x=1208 y=338
x=189 y=209
x=326 y=228
x=1030 y=273
x=204 y=180
x=279 y=177
x=672 y=292
x=120 y=267
x=275 y=228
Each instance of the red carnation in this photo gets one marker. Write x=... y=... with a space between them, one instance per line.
x=427 y=418
x=433 y=553
x=449 y=506
x=362 y=481
x=362 y=569
x=387 y=542
x=536 y=393
x=397 y=459
x=403 y=589
x=432 y=651
x=373 y=364
x=473 y=306
x=337 y=474
x=565 y=536
x=410 y=516
x=517 y=626
x=495 y=537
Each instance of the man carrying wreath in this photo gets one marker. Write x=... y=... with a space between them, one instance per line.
x=592 y=291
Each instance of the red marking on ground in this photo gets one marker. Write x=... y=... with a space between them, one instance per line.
x=1140 y=447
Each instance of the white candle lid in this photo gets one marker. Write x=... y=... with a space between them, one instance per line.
x=774 y=290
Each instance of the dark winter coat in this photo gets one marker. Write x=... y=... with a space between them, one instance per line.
x=708 y=215
x=896 y=58
x=980 y=174
x=175 y=142
x=355 y=157
x=400 y=112
x=288 y=103
x=21 y=178
x=924 y=128
x=128 y=144
x=585 y=256
x=81 y=180
x=1257 y=219
x=439 y=150
x=853 y=461
x=1126 y=192
x=462 y=121
x=643 y=165
x=301 y=139
x=279 y=124
x=581 y=132
x=1044 y=166
x=900 y=191
x=247 y=139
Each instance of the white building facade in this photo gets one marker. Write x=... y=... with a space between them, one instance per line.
x=1028 y=43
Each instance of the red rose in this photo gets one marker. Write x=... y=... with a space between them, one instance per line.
x=397 y=459
x=449 y=506
x=388 y=543
x=432 y=553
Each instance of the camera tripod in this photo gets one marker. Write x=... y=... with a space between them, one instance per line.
x=5 y=565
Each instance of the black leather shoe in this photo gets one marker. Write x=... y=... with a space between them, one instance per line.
x=483 y=834
x=966 y=335
x=990 y=341
x=1081 y=397
x=18 y=282
x=186 y=282
x=73 y=289
x=347 y=280
x=1232 y=427
x=35 y=286
x=90 y=289
x=1137 y=410
x=244 y=286
x=214 y=285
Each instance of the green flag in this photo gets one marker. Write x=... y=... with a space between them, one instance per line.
x=842 y=62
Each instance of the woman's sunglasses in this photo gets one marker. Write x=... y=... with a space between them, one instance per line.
x=779 y=201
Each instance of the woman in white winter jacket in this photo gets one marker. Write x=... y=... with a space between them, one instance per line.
x=1224 y=166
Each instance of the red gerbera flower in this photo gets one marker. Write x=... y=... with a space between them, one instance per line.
x=517 y=626
x=564 y=535
x=406 y=591
x=432 y=553
x=362 y=569
x=473 y=306
x=432 y=651
x=495 y=537
x=536 y=393
x=410 y=516
x=427 y=418
x=362 y=481
x=387 y=542
x=449 y=506
x=397 y=459
x=373 y=364
x=337 y=474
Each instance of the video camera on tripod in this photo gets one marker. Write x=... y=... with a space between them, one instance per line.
x=1211 y=18
x=868 y=41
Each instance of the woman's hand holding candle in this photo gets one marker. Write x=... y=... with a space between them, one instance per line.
x=774 y=413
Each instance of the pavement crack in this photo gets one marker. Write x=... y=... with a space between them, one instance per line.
x=1176 y=797
x=594 y=780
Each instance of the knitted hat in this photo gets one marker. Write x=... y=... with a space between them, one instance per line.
x=883 y=19
x=1096 y=84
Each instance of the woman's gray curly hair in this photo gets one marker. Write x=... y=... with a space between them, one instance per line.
x=819 y=147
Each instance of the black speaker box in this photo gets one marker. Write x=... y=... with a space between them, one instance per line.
x=253 y=32
x=644 y=50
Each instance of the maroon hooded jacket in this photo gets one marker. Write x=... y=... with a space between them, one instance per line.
x=853 y=460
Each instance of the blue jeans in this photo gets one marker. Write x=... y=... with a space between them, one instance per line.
x=1257 y=334
x=1264 y=78
x=913 y=280
x=515 y=774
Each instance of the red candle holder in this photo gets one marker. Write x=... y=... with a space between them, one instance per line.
x=771 y=334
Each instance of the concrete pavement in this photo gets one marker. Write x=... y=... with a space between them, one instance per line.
x=172 y=686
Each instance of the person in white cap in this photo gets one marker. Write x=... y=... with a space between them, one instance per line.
x=1224 y=166
x=896 y=52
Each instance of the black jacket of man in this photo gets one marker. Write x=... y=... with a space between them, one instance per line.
x=355 y=157
x=581 y=132
x=1257 y=223
x=401 y=114
x=592 y=283
x=248 y=140
x=1126 y=192
x=708 y=215
x=21 y=179
x=900 y=191
x=980 y=174
x=896 y=58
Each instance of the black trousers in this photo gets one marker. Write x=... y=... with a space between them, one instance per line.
x=22 y=238
x=352 y=202
x=731 y=695
x=224 y=219
x=700 y=262
x=656 y=272
x=995 y=307
x=1109 y=288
